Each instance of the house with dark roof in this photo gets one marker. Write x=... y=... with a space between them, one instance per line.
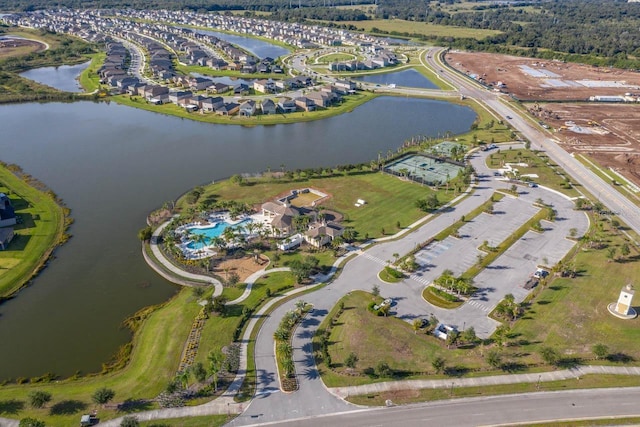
x=248 y=108
x=268 y=107
x=286 y=105
x=7 y=213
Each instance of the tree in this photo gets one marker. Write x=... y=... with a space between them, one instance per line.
x=302 y=269
x=611 y=253
x=145 y=234
x=31 y=422
x=494 y=358
x=501 y=335
x=215 y=360
x=351 y=360
x=183 y=378
x=469 y=335
x=383 y=370
x=624 y=250
x=129 y=421
x=199 y=372
x=550 y=355
x=375 y=290
x=103 y=395
x=600 y=350
x=438 y=364
x=197 y=292
x=288 y=366
x=452 y=338
x=416 y=325
x=39 y=398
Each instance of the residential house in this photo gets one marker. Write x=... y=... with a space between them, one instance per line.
x=268 y=107
x=241 y=89
x=305 y=104
x=199 y=83
x=320 y=99
x=218 y=88
x=286 y=105
x=344 y=86
x=179 y=97
x=248 y=108
x=154 y=91
x=228 y=109
x=264 y=86
x=7 y=213
x=211 y=104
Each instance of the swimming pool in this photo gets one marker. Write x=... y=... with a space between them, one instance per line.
x=211 y=232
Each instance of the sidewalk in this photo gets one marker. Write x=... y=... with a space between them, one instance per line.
x=566 y=374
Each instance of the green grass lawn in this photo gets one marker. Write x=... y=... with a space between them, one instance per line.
x=157 y=348
x=208 y=421
x=388 y=198
x=89 y=79
x=41 y=229
x=335 y=57
x=377 y=338
x=349 y=103
x=400 y=26
x=432 y=295
x=549 y=174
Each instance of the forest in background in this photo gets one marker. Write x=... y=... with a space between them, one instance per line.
x=589 y=31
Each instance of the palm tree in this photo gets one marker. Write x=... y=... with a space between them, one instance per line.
x=288 y=366
x=300 y=305
x=183 y=377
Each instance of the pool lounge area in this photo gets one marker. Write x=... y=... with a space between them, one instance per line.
x=210 y=228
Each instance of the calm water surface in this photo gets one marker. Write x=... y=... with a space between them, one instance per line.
x=63 y=77
x=408 y=78
x=259 y=48
x=112 y=165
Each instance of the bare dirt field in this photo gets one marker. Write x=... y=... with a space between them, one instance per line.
x=535 y=79
x=14 y=46
x=608 y=133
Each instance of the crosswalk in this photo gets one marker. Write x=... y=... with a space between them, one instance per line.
x=420 y=279
x=477 y=304
x=373 y=258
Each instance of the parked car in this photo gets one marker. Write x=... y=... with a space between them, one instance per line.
x=540 y=273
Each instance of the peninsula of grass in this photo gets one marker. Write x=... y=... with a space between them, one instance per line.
x=389 y=199
x=89 y=78
x=433 y=77
x=440 y=298
x=348 y=104
x=41 y=229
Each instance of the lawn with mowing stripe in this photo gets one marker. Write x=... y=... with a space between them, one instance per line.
x=389 y=199
x=41 y=229
x=89 y=78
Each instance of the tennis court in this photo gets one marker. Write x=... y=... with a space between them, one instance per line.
x=424 y=169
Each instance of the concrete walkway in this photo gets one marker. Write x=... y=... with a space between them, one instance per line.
x=178 y=275
x=565 y=374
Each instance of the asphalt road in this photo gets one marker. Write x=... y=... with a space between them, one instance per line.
x=491 y=411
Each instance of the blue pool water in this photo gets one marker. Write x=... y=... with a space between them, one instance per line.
x=211 y=232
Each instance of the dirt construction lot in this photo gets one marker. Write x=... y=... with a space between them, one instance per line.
x=608 y=133
x=535 y=79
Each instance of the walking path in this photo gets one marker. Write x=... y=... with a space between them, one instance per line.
x=178 y=275
x=566 y=374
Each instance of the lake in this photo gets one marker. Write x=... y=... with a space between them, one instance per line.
x=259 y=48
x=408 y=78
x=112 y=165
x=63 y=77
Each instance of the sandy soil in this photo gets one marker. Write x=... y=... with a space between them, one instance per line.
x=608 y=133
x=9 y=47
x=244 y=266
x=493 y=68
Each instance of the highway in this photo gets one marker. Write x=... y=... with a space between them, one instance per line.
x=490 y=411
